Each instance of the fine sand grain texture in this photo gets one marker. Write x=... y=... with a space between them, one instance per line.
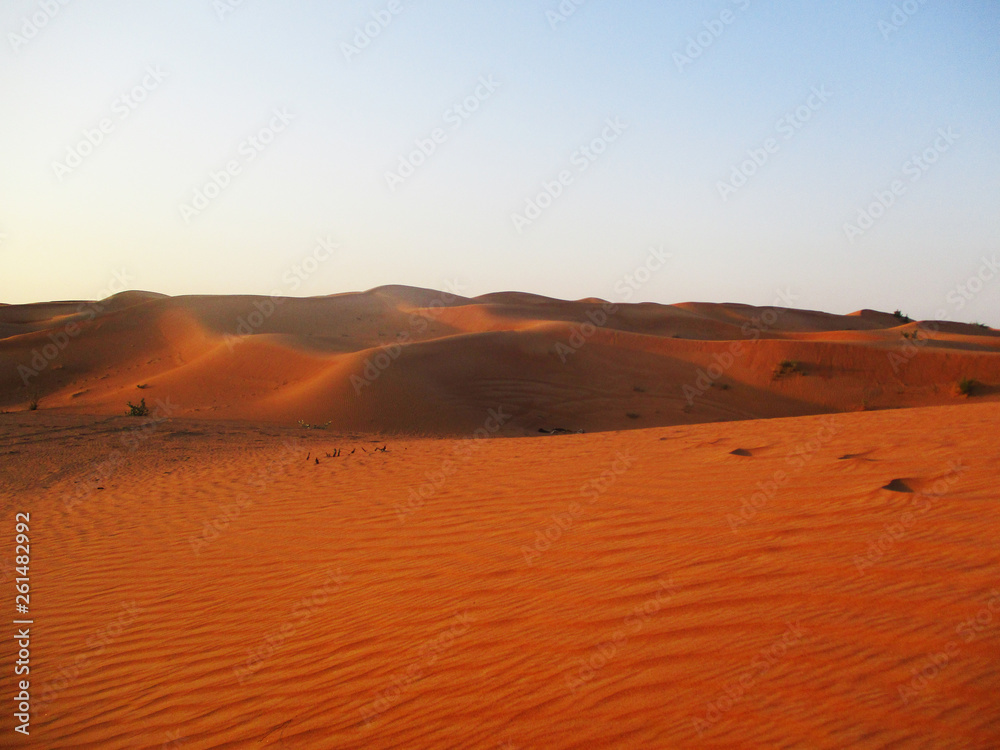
x=822 y=581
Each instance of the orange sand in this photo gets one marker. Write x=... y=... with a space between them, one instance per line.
x=399 y=359
x=222 y=591
x=201 y=581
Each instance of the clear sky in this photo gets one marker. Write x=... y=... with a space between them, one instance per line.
x=764 y=146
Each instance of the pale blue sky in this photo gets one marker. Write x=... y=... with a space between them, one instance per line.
x=886 y=94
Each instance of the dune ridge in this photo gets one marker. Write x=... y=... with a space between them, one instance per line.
x=366 y=361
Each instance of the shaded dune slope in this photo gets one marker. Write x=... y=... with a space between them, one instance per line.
x=405 y=359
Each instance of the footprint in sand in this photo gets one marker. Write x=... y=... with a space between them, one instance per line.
x=898 y=485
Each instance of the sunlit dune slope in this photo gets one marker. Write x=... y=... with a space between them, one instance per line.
x=405 y=359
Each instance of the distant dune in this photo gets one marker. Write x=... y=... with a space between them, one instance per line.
x=403 y=359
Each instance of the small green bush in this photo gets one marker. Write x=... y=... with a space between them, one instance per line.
x=138 y=410
x=965 y=386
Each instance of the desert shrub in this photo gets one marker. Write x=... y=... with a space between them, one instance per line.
x=900 y=316
x=787 y=367
x=306 y=426
x=138 y=410
x=965 y=386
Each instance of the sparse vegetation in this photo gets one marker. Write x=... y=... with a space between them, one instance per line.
x=306 y=426
x=788 y=367
x=965 y=386
x=900 y=316
x=981 y=325
x=33 y=403
x=138 y=410
x=632 y=415
x=638 y=389
x=915 y=335
x=142 y=386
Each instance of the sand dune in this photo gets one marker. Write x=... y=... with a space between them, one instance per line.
x=753 y=546
x=399 y=359
x=209 y=584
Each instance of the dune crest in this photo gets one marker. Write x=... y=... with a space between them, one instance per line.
x=368 y=360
